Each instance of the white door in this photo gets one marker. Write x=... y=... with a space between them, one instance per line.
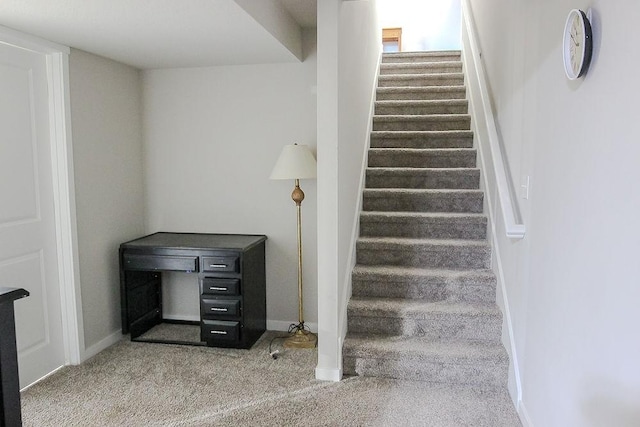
x=28 y=245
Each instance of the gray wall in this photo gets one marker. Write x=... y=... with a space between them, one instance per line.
x=572 y=283
x=211 y=138
x=106 y=119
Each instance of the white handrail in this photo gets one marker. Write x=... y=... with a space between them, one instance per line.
x=513 y=225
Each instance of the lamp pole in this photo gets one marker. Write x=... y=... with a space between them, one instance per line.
x=301 y=338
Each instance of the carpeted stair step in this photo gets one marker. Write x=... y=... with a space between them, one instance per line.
x=422 y=158
x=421 y=67
x=423 y=178
x=422 y=122
x=423 y=253
x=444 y=55
x=423 y=294
x=423 y=225
x=420 y=93
x=422 y=139
x=422 y=283
x=439 y=106
x=421 y=200
x=433 y=320
x=420 y=80
x=422 y=359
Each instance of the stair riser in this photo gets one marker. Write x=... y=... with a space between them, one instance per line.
x=423 y=291
x=404 y=94
x=421 y=68
x=475 y=229
x=426 y=159
x=395 y=59
x=463 y=180
x=382 y=123
x=433 y=326
x=471 y=203
x=458 y=108
x=424 y=256
x=485 y=374
x=420 y=80
x=396 y=141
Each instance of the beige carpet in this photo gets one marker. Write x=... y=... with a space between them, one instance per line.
x=141 y=384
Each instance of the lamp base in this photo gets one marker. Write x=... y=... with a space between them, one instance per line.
x=301 y=339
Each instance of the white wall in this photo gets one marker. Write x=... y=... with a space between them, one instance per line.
x=426 y=24
x=106 y=119
x=349 y=50
x=211 y=138
x=572 y=284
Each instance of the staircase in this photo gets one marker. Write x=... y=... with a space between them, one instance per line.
x=423 y=303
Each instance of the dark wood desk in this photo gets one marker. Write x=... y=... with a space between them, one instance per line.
x=10 y=412
x=231 y=275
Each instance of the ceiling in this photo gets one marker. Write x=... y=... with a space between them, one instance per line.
x=149 y=34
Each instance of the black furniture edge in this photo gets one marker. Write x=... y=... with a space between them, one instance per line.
x=10 y=412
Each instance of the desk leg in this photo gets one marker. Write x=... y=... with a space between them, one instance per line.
x=10 y=411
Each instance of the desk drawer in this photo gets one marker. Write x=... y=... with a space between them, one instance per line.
x=220 y=286
x=220 y=330
x=221 y=264
x=160 y=262
x=220 y=307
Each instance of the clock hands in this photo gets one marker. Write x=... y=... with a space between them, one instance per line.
x=574 y=40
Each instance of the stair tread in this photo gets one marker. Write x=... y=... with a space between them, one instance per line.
x=417 y=271
x=439 y=88
x=399 y=66
x=419 y=241
x=429 y=63
x=402 y=346
x=424 y=133
x=421 y=102
x=420 y=75
x=423 y=190
x=435 y=117
x=411 y=150
x=417 y=309
x=411 y=53
x=455 y=215
x=381 y=170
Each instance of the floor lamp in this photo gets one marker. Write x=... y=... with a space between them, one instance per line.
x=297 y=162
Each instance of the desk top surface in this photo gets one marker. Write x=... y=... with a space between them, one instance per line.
x=196 y=241
x=12 y=294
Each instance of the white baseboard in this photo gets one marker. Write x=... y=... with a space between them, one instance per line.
x=101 y=345
x=329 y=374
x=524 y=415
x=185 y=317
x=40 y=379
x=281 y=325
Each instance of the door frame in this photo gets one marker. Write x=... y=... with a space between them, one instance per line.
x=57 y=60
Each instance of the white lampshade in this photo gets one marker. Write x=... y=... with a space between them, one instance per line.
x=295 y=162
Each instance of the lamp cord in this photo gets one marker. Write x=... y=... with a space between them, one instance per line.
x=295 y=327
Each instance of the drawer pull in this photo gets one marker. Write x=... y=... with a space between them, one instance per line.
x=219 y=332
x=218 y=288
x=219 y=309
x=218 y=265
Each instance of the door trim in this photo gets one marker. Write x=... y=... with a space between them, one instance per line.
x=57 y=58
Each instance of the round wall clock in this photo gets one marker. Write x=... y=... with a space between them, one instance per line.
x=577 y=44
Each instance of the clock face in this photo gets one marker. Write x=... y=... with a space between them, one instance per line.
x=577 y=44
